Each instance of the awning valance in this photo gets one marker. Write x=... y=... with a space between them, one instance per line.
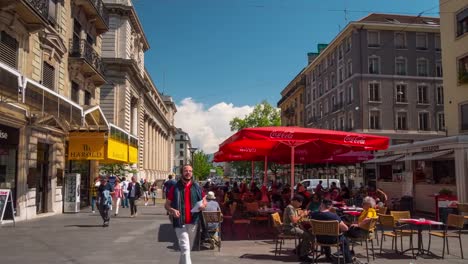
x=384 y=159
x=86 y=146
x=426 y=155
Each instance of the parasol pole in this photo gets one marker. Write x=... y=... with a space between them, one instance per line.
x=328 y=177
x=292 y=171
x=252 y=173
x=266 y=171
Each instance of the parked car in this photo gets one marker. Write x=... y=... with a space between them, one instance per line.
x=310 y=184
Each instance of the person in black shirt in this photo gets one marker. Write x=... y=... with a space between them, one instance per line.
x=345 y=193
x=105 y=200
x=324 y=214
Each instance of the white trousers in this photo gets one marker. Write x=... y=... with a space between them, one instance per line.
x=117 y=205
x=186 y=236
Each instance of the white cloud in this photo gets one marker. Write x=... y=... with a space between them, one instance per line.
x=207 y=127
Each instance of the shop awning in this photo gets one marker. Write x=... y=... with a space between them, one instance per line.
x=427 y=155
x=86 y=146
x=117 y=145
x=42 y=102
x=384 y=159
x=94 y=119
x=10 y=83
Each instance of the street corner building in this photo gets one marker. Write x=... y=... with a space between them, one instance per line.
x=71 y=99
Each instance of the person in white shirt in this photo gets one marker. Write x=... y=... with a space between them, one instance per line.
x=124 y=184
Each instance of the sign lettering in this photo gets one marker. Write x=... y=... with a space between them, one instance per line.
x=430 y=148
x=281 y=134
x=355 y=139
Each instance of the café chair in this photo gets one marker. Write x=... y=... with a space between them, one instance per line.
x=463 y=209
x=239 y=219
x=325 y=228
x=397 y=215
x=280 y=236
x=368 y=236
x=381 y=210
x=390 y=229
x=455 y=222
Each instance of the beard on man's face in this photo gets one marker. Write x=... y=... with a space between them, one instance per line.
x=187 y=176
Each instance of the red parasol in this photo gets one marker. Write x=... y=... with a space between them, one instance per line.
x=291 y=144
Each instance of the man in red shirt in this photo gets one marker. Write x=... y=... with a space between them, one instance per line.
x=181 y=199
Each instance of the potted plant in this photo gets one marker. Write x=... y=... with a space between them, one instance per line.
x=446 y=192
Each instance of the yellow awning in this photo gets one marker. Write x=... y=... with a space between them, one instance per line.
x=86 y=146
x=117 y=150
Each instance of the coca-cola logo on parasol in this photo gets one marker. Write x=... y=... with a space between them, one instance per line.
x=250 y=150
x=355 y=139
x=282 y=134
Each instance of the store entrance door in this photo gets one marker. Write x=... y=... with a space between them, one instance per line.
x=42 y=180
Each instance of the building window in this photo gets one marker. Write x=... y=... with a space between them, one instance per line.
x=325 y=83
x=340 y=52
x=333 y=124
x=48 y=75
x=349 y=68
x=350 y=94
x=440 y=121
x=438 y=66
x=75 y=93
x=422 y=66
x=181 y=153
x=373 y=39
x=87 y=98
x=333 y=103
x=400 y=40
x=320 y=90
x=422 y=94
x=332 y=61
x=181 y=162
x=341 y=74
x=463 y=70
x=52 y=12
x=333 y=80
x=321 y=110
x=423 y=118
x=421 y=41
x=181 y=145
x=9 y=50
x=374 y=120
x=341 y=97
x=350 y=122
x=402 y=121
x=341 y=123
x=464 y=117
x=401 y=94
x=374 y=92
x=313 y=95
x=348 y=43
x=462 y=22
x=437 y=42
x=400 y=66
x=440 y=95
x=374 y=65
x=326 y=107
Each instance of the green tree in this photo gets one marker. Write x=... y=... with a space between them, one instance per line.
x=201 y=165
x=264 y=114
x=117 y=169
x=219 y=171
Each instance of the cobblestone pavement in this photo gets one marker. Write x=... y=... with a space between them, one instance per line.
x=149 y=238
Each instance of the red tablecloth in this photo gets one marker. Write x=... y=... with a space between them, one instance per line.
x=353 y=213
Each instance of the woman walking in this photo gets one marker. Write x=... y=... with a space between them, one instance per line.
x=118 y=194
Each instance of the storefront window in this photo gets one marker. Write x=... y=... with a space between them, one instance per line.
x=385 y=173
x=444 y=171
x=9 y=139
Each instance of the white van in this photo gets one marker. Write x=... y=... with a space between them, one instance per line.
x=310 y=184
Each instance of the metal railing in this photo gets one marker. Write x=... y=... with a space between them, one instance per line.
x=79 y=48
x=101 y=10
x=41 y=6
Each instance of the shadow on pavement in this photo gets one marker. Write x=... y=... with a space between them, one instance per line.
x=83 y=226
x=284 y=258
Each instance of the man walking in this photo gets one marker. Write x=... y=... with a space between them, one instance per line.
x=168 y=185
x=134 y=193
x=181 y=199
x=105 y=191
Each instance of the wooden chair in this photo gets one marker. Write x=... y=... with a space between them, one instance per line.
x=325 y=228
x=390 y=229
x=368 y=236
x=239 y=219
x=381 y=210
x=453 y=221
x=208 y=218
x=397 y=215
x=463 y=209
x=280 y=236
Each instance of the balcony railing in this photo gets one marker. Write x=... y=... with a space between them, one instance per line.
x=41 y=6
x=101 y=10
x=79 y=48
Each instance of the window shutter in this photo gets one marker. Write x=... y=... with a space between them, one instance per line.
x=48 y=76
x=8 y=50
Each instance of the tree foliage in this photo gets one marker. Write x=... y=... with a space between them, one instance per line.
x=201 y=165
x=117 y=169
x=264 y=114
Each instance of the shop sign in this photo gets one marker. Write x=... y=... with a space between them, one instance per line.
x=430 y=148
x=132 y=154
x=117 y=150
x=86 y=147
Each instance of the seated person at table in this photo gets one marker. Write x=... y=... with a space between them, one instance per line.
x=319 y=188
x=211 y=206
x=302 y=191
x=325 y=215
x=314 y=203
x=356 y=230
x=291 y=218
x=345 y=193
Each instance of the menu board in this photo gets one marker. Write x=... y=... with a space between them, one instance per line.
x=6 y=206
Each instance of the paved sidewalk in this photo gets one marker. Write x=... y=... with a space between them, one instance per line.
x=148 y=238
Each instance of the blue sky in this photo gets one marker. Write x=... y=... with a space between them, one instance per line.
x=218 y=58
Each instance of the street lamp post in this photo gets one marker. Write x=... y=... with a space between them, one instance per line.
x=192 y=150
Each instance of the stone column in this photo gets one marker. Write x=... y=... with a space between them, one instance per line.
x=460 y=174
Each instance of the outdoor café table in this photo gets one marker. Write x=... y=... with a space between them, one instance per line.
x=269 y=210
x=354 y=214
x=420 y=223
